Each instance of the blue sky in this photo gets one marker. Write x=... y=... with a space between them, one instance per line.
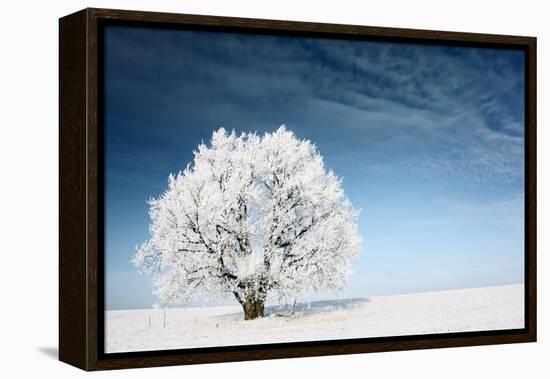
x=429 y=142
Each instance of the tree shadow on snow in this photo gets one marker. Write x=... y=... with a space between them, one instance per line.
x=307 y=308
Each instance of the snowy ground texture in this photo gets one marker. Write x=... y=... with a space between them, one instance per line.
x=476 y=309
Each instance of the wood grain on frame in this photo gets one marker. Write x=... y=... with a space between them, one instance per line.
x=73 y=285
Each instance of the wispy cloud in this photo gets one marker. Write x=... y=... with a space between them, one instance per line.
x=459 y=109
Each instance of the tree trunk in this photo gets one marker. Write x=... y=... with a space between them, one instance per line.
x=253 y=308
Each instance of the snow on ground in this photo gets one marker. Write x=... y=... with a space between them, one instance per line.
x=476 y=309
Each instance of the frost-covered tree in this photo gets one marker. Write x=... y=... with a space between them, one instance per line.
x=253 y=216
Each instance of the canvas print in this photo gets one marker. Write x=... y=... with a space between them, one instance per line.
x=268 y=189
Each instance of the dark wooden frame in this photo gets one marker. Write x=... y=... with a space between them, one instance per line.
x=81 y=192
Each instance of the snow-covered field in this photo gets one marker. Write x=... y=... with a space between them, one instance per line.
x=476 y=309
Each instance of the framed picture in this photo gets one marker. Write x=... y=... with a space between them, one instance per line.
x=238 y=189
